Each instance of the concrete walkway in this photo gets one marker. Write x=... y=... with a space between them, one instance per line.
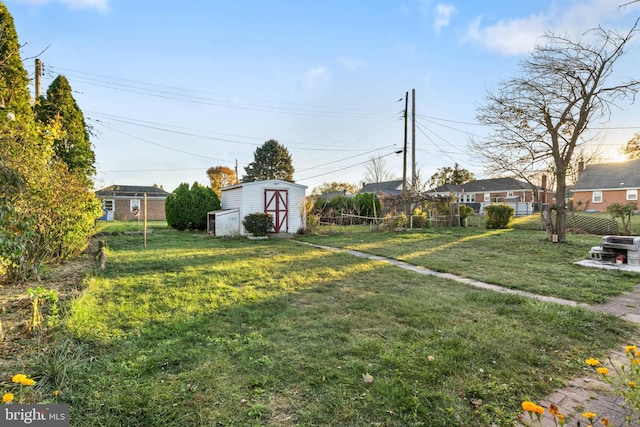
x=582 y=394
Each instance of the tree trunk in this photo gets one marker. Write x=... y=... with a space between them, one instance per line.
x=561 y=207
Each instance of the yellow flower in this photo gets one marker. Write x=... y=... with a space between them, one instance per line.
x=636 y=361
x=7 y=397
x=592 y=362
x=528 y=406
x=605 y=421
x=603 y=371
x=553 y=409
x=561 y=419
x=431 y=358
x=632 y=384
x=18 y=378
x=56 y=392
x=630 y=349
x=538 y=410
x=590 y=416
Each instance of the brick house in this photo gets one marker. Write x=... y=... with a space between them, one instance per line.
x=484 y=192
x=120 y=202
x=600 y=185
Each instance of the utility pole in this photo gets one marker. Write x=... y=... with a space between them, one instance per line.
x=414 y=184
x=237 y=181
x=404 y=166
x=38 y=78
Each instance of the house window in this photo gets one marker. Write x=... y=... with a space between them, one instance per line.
x=510 y=194
x=107 y=205
x=596 y=197
x=134 y=205
x=487 y=197
x=632 y=194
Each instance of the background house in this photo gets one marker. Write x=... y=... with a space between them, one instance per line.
x=282 y=199
x=484 y=192
x=119 y=202
x=600 y=185
x=381 y=188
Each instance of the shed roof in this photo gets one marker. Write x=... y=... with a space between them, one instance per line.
x=270 y=182
x=131 y=191
x=608 y=176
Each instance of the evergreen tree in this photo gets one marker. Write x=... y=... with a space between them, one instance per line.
x=74 y=146
x=271 y=161
x=47 y=212
x=186 y=209
x=14 y=93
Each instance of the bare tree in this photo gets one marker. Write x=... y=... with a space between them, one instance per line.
x=540 y=119
x=632 y=148
x=377 y=170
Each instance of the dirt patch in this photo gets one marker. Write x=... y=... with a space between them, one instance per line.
x=16 y=339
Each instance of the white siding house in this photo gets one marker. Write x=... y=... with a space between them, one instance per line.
x=282 y=199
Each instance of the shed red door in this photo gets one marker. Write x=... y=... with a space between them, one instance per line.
x=276 y=203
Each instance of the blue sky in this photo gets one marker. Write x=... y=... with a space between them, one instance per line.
x=173 y=88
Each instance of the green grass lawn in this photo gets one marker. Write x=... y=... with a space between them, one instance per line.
x=198 y=331
x=517 y=258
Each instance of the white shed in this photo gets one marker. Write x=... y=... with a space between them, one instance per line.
x=282 y=199
x=224 y=222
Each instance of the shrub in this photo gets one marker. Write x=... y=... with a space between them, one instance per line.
x=186 y=209
x=465 y=212
x=258 y=223
x=498 y=216
x=367 y=204
x=400 y=220
x=420 y=219
x=624 y=212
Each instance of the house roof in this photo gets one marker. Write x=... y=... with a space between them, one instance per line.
x=331 y=194
x=608 y=176
x=387 y=187
x=484 y=186
x=131 y=191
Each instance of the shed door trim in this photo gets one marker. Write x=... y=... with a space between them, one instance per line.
x=276 y=203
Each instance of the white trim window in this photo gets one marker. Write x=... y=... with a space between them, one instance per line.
x=596 y=197
x=134 y=205
x=632 y=195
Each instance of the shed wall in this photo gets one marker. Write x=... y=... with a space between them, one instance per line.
x=249 y=198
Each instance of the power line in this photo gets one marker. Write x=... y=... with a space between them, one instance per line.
x=348 y=167
x=214 y=99
x=163 y=146
x=159 y=127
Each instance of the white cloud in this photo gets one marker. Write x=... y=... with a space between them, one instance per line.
x=520 y=35
x=508 y=37
x=443 y=13
x=440 y=14
x=101 y=5
x=316 y=76
x=350 y=63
